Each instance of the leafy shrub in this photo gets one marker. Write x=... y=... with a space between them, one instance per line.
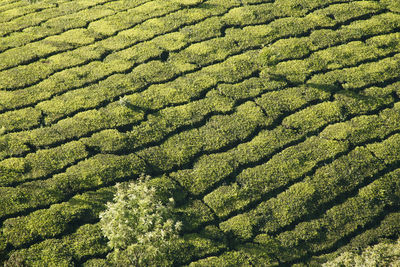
x=382 y=254
x=140 y=226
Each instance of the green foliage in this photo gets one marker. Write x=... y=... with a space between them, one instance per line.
x=343 y=219
x=86 y=241
x=272 y=124
x=245 y=255
x=208 y=241
x=57 y=219
x=382 y=254
x=40 y=164
x=98 y=171
x=140 y=226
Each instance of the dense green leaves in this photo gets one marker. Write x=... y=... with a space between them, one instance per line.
x=273 y=124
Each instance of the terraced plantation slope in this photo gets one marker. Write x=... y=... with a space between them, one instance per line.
x=275 y=124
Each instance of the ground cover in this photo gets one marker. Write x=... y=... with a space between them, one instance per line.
x=275 y=125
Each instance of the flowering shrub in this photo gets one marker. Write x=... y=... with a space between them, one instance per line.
x=140 y=226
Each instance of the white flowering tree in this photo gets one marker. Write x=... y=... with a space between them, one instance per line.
x=140 y=226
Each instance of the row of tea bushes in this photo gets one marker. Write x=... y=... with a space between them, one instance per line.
x=342 y=220
x=196 y=180
x=220 y=131
x=359 y=77
x=87 y=242
x=175 y=117
x=84 y=123
x=59 y=82
x=64 y=217
x=69 y=250
x=96 y=172
x=65 y=40
x=57 y=219
x=101 y=52
x=68 y=106
x=35 y=72
x=116 y=115
x=326 y=185
x=35 y=18
x=256 y=150
x=385 y=229
x=76 y=100
x=340 y=57
x=22 y=119
x=82 y=148
x=41 y=164
x=312 y=192
x=54 y=26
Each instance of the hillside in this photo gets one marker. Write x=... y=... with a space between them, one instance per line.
x=275 y=125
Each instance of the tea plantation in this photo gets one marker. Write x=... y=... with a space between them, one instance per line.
x=274 y=124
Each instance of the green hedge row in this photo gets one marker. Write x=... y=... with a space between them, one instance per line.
x=127 y=19
x=226 y=199
x=87 y=241
x=114 y=114
x=392 y=5
x=228 y=161
x=63 y=217
x=57 y=219
x=244 y=255
x=277 y=104
x=75 y=77
x=314 y=191
x=56 y=43
x=363 y=128
x=109 y=140
x=98 y=171
x=167 y=120
x=339 y=57
x=56 y=26
x=158 y=125
x=37 y=71
x=76 y=100
x=63 y=80
x=11 y=6
x=68 y=102
x=40 y=164
x=250 y=88
x=205 y=29
x=72 y=78
x=283 y=8
x=35 y=18
x=298 y=47
x=10 y=11
x=361 y=76
x=263 y=34
x=219 y=131
x=81 y=124
x=160 y=25
x=386 y=229
x=71 y=101
x=10 y=97
x=282 y=169
x=343 y=219
x=63 y=39
x=22 y=119
x=383 y=231
x=219 y=166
